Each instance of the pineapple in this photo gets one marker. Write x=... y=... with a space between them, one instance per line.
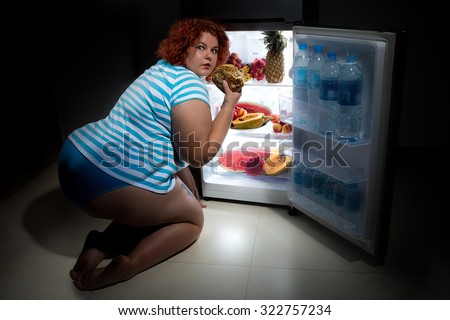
x=275 y=44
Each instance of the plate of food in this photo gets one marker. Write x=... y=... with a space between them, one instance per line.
x=250 y=115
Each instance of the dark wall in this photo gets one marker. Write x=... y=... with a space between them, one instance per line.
x=67 y=66
x=289 y=10
x=29 y=131
x=120 y=45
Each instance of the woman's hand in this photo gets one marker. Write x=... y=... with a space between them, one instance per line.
x=231 y=98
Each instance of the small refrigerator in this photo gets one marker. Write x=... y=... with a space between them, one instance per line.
x=359 y=209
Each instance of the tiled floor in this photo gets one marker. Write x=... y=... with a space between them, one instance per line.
x=245 y=252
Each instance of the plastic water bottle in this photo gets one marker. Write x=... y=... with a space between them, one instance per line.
x=298 y=73
x=339 y=198
x=328 y=188
x=352 y=202
x=349 y=100
x=328 y=192
x=318 y=179
x=298 y=176
x=313 y=80
x=307 y=181
x=352 y=205
x=328 y=93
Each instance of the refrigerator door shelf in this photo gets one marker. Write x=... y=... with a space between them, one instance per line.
x=349 y=225
x=318 y=196
x=297 y=113
x=345 y=162
x=345 y=174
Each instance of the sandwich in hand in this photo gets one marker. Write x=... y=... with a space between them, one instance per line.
x=230 y=73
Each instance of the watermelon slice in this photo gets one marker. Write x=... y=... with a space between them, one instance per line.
x=255 y=166
x=235 y=160
x=253 y=107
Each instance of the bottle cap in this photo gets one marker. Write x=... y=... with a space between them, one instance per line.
x=317 y=48
x=302 y=46
x=331 y=54
x=351 y=58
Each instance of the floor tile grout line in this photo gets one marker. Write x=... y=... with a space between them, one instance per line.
x=253 y=251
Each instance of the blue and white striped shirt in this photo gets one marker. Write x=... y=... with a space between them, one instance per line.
x=134 y=142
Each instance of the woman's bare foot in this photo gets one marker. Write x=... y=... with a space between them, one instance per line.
x=91 y=255
x=116 y=271
x=89 y=259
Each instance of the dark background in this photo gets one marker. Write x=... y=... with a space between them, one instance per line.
x=72 y=60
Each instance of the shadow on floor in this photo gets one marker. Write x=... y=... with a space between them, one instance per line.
x=58 y=225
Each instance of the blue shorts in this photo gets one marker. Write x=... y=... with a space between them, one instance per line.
x=80 y=179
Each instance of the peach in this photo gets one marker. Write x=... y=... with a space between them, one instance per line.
x=277 y=127
x=286 y=128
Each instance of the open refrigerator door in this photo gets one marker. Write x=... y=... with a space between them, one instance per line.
x=252 y=164
x=338 y=181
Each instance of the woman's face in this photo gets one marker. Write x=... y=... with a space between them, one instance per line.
x=202 y=56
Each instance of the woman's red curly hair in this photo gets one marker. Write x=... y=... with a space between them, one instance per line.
x=184 y=33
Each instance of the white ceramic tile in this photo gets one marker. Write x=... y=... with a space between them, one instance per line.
x=298 y=242
x=11 y=211
x=40 y=185
x=19 y=240
x=228 y=235
x=288 y=284
x=51 y=223
x=33 y=202
x=38 y=276
x=181 y=281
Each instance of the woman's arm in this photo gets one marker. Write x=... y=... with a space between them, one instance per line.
x=197 y=137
